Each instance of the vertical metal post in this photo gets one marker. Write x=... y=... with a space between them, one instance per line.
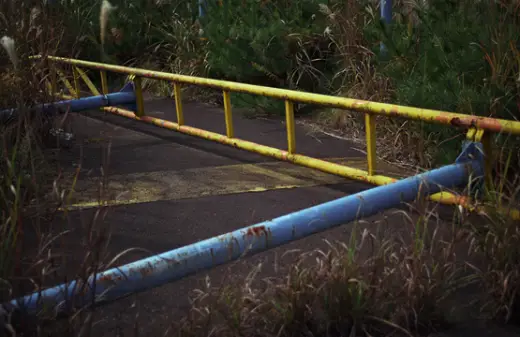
x=104 y=82
x=486 y=139
x=54 y=81
x=487 y=145
x=228 y=113
x=178 y=103
x=139 y=96
x=289 y=118
x=370 y=130
x=386 y=16
x=75 y=77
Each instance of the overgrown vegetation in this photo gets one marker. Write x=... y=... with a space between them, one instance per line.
x=330 y=47
x=327 y=47
x=33 y=186
x=458 y=56
x=22 y=132
x=378 y=284
x=450 y=55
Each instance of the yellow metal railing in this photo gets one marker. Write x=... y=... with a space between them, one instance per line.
x=478 y=128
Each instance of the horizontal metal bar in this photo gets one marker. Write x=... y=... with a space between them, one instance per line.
x=125 y=97
x=93 y=102
x=314 y=163
x=298 y=159
x=173 y=265
x=427 y=115
x=445 y=198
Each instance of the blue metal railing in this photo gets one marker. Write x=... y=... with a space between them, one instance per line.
x=126 y=96
x=173 y=265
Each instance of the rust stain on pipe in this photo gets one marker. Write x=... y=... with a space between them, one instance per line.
x=256 y=231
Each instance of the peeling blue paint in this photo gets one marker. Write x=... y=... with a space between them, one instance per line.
x=167 y=267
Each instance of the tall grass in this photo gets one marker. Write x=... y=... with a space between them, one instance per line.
x=33 y=186
x=494 y=238
x=379 y=283
x=429 y=276
x=19 y=157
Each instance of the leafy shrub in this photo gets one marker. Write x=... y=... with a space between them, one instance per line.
x=131 y=31
x=459 y=56
x=274 y=43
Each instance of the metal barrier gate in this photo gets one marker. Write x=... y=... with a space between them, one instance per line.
x=473 y=162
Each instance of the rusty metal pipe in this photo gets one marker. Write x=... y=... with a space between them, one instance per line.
x=160 y=269
x=298 y=159
x=427 y=115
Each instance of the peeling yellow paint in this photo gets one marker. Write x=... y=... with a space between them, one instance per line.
x=201 y=182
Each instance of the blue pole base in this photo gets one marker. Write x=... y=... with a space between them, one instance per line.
x=386 y=18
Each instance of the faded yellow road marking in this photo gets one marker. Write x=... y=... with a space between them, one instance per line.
x=211 y=181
